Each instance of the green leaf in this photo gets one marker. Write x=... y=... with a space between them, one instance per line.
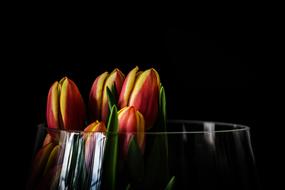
x=114 y=91
x=113 y=121
x=157 y=173
x=162 y=106
x=170 y=184
x=163 y=118
x=111 y=151
x=128 y=187
x=111 y=99
x=135 y=163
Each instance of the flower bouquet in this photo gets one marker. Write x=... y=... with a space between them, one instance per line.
x=106 y=147
x=123 y=140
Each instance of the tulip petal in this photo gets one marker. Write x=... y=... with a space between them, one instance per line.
x=95 y=96
x=117 y=78
x=91 y=126
x=90 y=142
x=157 y=77
x=127 y=120
x=71 y=106
x=140 y=135
x=96 y=126
x=52 y=160
x=39 y=163
x=131 y=122
x=127 y=87
x=52 y=110
x=145 y=95
x=110 y=160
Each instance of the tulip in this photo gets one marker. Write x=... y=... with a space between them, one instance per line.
x=98 y=99
x=141 y=90
x=42 y=156
x=53 y=159
x=40 y=161
x=90 y=142
x=131 y=123
x=65 y=106
x=96 y=126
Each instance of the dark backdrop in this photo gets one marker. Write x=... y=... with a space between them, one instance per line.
x=205 y=61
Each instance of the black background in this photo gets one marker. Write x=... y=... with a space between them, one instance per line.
x=206 y=60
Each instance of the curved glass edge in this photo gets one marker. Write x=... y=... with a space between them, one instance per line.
x=208 y=127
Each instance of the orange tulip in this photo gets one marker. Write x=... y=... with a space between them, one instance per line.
x=90 y=142
x=65 y=106
x=131 y=123
x=141 y=90
x=98 y=99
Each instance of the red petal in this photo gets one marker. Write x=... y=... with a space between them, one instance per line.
x=52 y=109
x=127 y=87
x=95 y=97
x=117 y=78
x=71 y=106
x=145 y=96
x=130 y=123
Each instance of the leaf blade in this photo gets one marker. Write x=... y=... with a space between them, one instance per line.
x=157 y=160
x=170 y=184
x=111 y=151
x=135 y=163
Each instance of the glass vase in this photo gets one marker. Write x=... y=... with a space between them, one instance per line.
x=190 y=155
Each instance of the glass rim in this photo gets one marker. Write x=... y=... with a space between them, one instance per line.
x=232 y=128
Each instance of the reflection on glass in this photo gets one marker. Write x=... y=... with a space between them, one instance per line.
x=194 y=155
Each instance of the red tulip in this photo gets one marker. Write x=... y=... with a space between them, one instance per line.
x=131 y=123
x=98 y=99
x=141 y=90
x=65 y=106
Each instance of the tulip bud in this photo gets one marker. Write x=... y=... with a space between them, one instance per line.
x=141 y=90
x=131 y=122
x=96 y=126
x=90 y=141
x=98 y=99
x=65 y=106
